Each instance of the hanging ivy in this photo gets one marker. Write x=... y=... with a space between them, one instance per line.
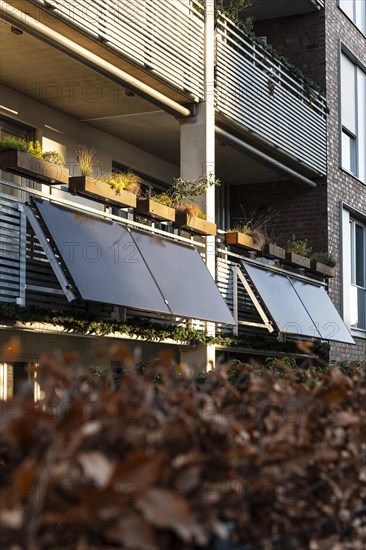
x=232 y=9
x=140 y=328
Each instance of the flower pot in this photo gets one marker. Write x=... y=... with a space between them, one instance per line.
x=240 y=239
x=156 y=210
x=101 y=191
x=194 y=224
x=298 y=260
x=23 y=164
x=323 y=269
x=274 y=251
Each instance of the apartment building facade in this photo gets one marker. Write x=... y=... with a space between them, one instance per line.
x=171 y=90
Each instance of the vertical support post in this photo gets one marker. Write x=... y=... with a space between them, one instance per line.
x=235 y=298
x=197 y=148
x=22 y=255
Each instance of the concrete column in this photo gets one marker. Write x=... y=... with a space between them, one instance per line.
x=197 y=158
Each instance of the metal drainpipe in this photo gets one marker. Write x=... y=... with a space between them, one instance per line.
x=32 y=26
x=269 y=161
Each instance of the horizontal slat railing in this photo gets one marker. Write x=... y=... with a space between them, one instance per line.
x=12 y=254
x=258 y=92
x=165 y=37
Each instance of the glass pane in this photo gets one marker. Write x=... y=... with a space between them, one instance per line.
x=361 y=305
x=360 y=18
x=348 y=7
x=360 y=255
x=349 y=153
x=348 y=94
x=353 y=251
x=360 y=142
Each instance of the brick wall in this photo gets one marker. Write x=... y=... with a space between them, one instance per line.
x=302 y=211
x=341 y=186
x=301 y=39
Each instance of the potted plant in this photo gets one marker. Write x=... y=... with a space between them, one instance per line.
x=27 y=159
x=243 y=235
x=188 y=213
x=324 y=263
x=252 y=231
x=158 y=206
x=298 y=252
x=119 y=188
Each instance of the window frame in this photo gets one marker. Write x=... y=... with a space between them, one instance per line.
x=354 y=19
x=357 y=166
x=351 y=216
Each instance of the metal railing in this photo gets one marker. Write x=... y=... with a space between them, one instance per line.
x=164 y=37
x=259 y=92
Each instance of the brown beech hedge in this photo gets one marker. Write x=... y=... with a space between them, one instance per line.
x=250 y=460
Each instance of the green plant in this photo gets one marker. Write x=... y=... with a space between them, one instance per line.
x=241 y=228
x=233 y=9
x=163 y=198
x=86 y=159
x=324 y=258
x=12 y=143
x=183 y=191
x=35 y=149
x=123 y=181
x=298 y=246
x=54 y=158
x=256 y=225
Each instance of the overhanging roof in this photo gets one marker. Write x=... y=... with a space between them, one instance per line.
x=110 y=263
x=296 y=306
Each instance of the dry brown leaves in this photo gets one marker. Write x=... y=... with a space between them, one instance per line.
x=176 y=465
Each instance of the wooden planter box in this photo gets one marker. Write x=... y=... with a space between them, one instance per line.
x=194 y=224
x=100 y=190
x=274 y=251
x=322 y=269
x=155 y=210
x=240 y=239
x=23 y=164
x=298 y=260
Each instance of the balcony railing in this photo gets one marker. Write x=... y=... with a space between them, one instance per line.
x=259 y=93
x=167 y=38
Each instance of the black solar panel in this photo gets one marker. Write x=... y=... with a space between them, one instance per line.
x=183 y=279
x=102 y=259
x=297 y=306
x=114 y=265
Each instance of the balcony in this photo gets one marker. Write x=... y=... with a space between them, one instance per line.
x=35 y=271
x=267 y=9
x=162 y=44
x=259 y=94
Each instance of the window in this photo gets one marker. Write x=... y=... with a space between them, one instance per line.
x=354 y=272
x=356 y=11
x=353 y=117
x=9 y=127
x=358 y=279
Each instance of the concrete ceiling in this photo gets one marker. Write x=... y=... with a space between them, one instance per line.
x=45 y=74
